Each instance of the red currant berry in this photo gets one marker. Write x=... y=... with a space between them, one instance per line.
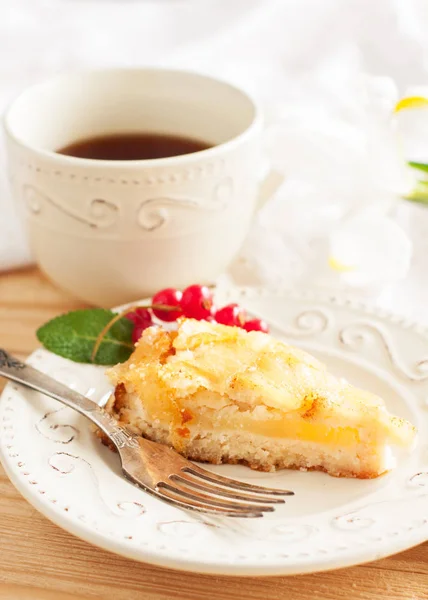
x=144 y=316
x=256 y=325
x=137 y=332
x=168 y=297
x=140 y=316
x=197 y=302
x=132 y=316
x=232 y=315
x=142 y=319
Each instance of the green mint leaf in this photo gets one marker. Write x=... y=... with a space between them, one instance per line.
x=73 y=336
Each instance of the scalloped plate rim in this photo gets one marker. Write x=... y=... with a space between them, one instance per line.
x=98 y=540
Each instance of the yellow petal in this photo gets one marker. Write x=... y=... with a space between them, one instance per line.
x=411 y=102
x=336 y=265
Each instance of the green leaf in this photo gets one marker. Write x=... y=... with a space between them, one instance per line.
x=419 y=193
x=419 y=166
x=73 y=336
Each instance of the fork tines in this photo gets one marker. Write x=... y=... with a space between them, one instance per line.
x=201 y=490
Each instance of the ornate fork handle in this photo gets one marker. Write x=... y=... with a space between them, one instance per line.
x=16 y=370
x=153 y=467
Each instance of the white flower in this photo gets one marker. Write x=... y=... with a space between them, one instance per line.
x=343 y=176
x=370 y=250
x=331 y=132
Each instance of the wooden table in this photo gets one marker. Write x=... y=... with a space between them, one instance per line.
x=40 y=561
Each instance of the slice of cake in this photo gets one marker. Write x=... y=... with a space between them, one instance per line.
x=222 y=395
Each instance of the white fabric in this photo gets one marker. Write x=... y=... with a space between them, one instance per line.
x=305 y=60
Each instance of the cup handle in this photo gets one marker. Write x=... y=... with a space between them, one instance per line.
x=268 y=186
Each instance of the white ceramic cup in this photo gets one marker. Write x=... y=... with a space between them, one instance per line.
x=111 y=232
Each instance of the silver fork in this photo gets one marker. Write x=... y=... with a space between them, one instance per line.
x=155 y=468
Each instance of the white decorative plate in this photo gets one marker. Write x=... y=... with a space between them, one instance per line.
x=56 y=462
